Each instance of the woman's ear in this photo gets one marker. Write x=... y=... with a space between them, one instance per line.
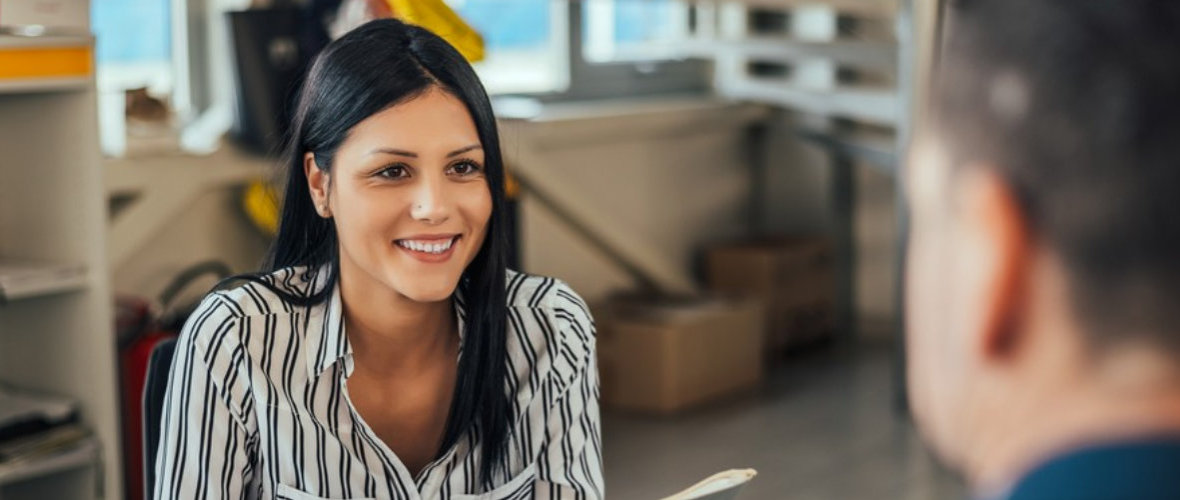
x=318 y=182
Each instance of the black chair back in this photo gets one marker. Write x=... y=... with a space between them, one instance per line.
x=159 y=364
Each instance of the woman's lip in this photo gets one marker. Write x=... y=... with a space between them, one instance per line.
x=431 y=258
x=429 y=237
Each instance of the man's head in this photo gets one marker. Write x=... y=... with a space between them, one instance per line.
x=1045 y=193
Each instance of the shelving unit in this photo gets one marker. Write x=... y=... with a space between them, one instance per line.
x=846 y=67
x=829 y=58
x=56 y=334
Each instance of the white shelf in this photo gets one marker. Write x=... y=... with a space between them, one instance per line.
x=25 y=86
x=82 y=455
x=878 y=106
x=877 y=8
x=874 y=54
x=23 y=279
x=46 y=41
x=229 y=165
x=164 y=185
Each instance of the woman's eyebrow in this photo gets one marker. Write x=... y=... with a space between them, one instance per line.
x=460 y=151
x=410 y=154
x=392 y=151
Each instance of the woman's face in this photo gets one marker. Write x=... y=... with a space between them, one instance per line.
x=409 y=197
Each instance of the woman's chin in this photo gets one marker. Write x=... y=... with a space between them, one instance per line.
x=427 y=291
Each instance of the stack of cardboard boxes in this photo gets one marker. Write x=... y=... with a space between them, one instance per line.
x=664 y=355
x=667 y=355
x=792 y=277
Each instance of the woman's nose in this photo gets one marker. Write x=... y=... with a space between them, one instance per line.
x=430 y=203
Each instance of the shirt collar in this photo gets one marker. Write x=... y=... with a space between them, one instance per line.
x=327 y=342
x=1143 y=467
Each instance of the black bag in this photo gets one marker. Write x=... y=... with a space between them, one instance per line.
x=270 y=59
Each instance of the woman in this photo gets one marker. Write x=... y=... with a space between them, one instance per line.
x=388 y=353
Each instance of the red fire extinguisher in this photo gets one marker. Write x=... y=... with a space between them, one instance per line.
x=139 y=331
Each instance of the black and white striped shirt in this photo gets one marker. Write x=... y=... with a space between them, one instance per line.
x=257 y=405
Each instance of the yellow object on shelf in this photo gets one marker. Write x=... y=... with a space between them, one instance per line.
x=261 y=203
x=511 y=186
x=45 y=62
x=437 y=16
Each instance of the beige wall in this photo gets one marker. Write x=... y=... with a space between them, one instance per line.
x=213 y=227
x=676 y=193
x=685 y=190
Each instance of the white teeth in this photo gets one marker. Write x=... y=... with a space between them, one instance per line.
x=418 y=246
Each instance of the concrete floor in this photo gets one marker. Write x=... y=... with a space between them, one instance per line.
x=822 y=427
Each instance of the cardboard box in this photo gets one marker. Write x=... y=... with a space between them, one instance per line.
x=664 y=356
x=793 y=277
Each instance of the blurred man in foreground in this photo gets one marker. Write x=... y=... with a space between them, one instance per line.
x=1044 y=266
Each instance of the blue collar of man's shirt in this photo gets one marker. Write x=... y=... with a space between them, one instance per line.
x=1145 y=468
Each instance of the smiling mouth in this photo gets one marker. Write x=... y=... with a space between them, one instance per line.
x=431 y=247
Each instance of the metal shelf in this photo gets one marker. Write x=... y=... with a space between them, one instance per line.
x=879 y=151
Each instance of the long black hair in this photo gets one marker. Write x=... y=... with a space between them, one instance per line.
x=376 y=66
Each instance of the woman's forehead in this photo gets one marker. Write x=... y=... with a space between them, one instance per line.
x=432 y=122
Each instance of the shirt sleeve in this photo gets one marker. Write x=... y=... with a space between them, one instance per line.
x=204 y=437
x=570 y=465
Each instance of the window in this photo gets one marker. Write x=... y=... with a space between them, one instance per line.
x=133 y=40
x=525 y=43
x=133 y=50
x=633 y=30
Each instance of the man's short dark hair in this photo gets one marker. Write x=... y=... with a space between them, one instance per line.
x=1077 y=103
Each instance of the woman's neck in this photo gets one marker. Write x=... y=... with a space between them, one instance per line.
x=390 y=333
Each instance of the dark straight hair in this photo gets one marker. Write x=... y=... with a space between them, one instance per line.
x=1076 y=104
x=372 y=68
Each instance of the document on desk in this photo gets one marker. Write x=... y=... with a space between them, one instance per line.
x=721 y=486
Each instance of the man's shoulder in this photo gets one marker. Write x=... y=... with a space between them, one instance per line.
x=1142 y=468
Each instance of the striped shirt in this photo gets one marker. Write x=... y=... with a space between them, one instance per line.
x=257 y=405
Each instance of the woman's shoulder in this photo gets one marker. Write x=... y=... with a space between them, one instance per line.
x=266 y=294
x=542 y=292
x=552 y=313
x=216 y=320
x=548 y=319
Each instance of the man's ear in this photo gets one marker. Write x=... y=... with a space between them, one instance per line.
x=1005 y=250
x=318 y=182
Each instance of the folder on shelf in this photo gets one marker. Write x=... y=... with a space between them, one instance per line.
x=23 y=414
x=20 y=279
x=42 y=444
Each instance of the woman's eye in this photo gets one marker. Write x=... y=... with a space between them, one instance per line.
x=465 y=168
x=392 y=172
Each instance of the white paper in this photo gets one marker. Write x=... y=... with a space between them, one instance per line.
x=720 y=486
